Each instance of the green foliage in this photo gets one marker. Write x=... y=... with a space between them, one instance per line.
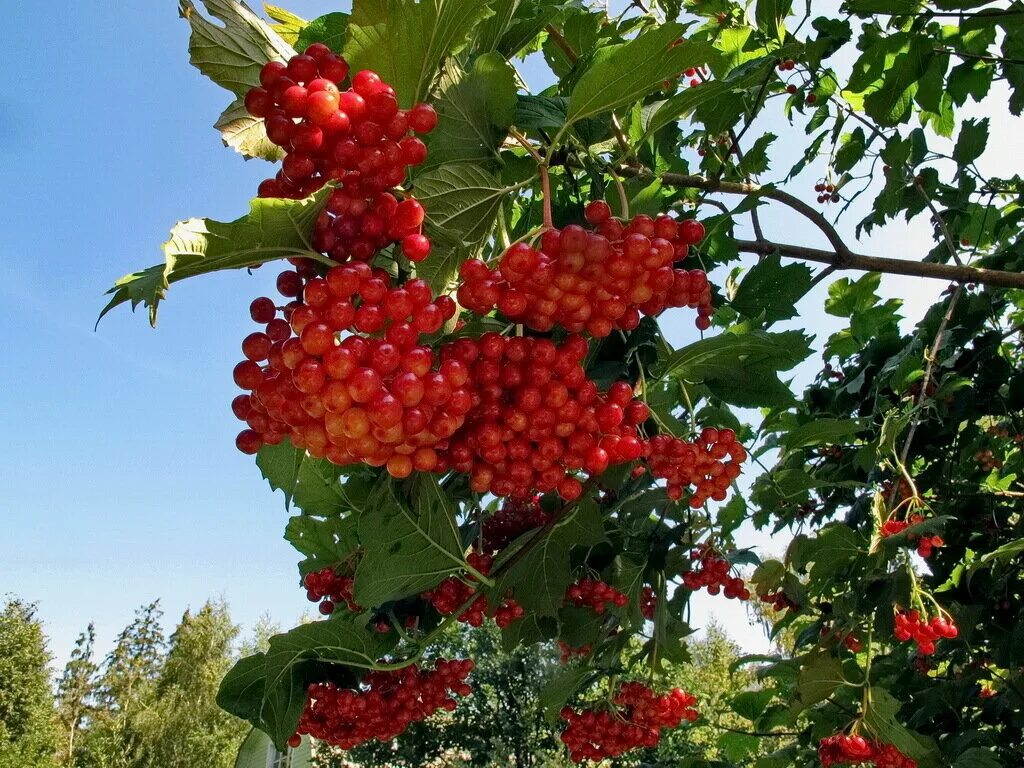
x=28 y=729
x=904 y=420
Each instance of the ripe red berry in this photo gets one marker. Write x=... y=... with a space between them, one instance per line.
x=422 y=118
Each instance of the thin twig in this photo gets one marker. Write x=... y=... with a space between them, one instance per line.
x=946 y=236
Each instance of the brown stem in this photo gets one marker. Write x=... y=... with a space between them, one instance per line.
x=946 y=236
x=948 y=272
x=545 y=185
x=562 y=43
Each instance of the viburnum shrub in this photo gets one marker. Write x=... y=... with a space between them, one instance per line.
x=475 y=377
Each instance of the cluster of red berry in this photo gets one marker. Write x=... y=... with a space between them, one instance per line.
x=382 y=401
x=911 y=625
x=453 y=593
x=699 y=464
x=330 y=590
x=779 y=601
x=925 y=544
x=595 y=281
x=516 y=517
x=826 y=192
x=567 y=653
x=846 y=749
x=537 y=417
x=648 y=603
x=712 y=572
x=637 y=721
x=384 y=705
x=358 y=137
x=595 y=595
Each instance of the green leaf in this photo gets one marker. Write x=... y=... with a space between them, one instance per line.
x=232 y=53
x=558 y=691
x=406 y=42
x=246 y=134
x=835 y=547
x=881 y=721
x=971 y=142
x=1005 y=552
x=751 y=704
x=722 y=355
x=821 y=432
x=891 y=104
x=820 y=676
x=770 y=16
x=622 y=74
x=462 y=202
x=286 y=23
x=408 y=548
x=535 y=113
x=474 y=112
x=273 y=229
x=977 y=757
x=325 y=543
x=539 y=578
x=328 y=29
x=711 y=93
x=273 y=708
x=772 y=289
x=314 y=484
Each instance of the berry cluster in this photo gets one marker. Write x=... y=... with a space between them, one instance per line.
x=515 y=518
x=925 y=544
x=637 y=721
x=595 y=595
x=567 y=653
x=826 y=191
x=648 y=603
x=384 y=705
x=537 y=417
x=357 y=137
x=595 y=281
x=383 y=401
x=911 y=625
x=453 y=593
x=330 y=590
x=846 y=749
x=779 y=601
x=712 y=572
x=698 y=464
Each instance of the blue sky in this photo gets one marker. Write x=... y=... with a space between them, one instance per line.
x=119 y=482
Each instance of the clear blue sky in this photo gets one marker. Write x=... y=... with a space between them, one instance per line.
x=119 y=482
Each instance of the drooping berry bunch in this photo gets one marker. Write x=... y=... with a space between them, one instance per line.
x=594 y=594
x=384 y=401
x=453 y=593
x=567 y=653
x=594 y=281
x=516 y=517
x=912 y=625
x=827 y=192
x=328 y=133
x=711 y=572
x=330 y=589
x=926 y=545
x=538 y=418
x=699 y=464
x=358 y=228
x=779 y=601
x=637 y=721
x=648 y=603
x=847 y=749
x=384 y=705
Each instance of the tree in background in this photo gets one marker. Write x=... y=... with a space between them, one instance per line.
x=28 y=728
x=76 y=690
x=182 y=727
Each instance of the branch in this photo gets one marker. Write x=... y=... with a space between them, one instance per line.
x=742 y=188
x=979 y=57
x=948 y=272
x=841 y=257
